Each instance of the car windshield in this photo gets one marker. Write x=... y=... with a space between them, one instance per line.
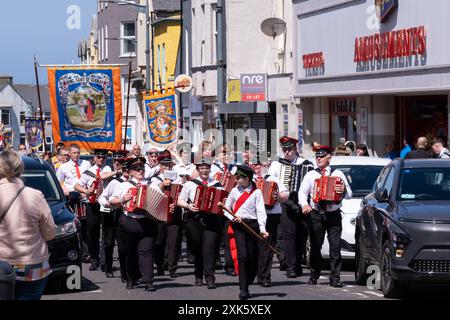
x=360 y=177
x=43 y=181
x=425 y=184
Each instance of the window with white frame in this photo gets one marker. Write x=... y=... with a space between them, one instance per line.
x=128 y=39
x=6 y=116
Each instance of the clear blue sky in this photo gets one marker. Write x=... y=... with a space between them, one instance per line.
x=30 y=27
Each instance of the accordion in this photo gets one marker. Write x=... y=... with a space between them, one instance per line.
x=227 y=180
x=98 y=190
x=268 y=188
x=292 y=175
x=207 y=199
x=173 y=192
x=324 y=189
x=150 y=201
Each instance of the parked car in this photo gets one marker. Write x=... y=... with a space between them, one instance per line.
x=65 y=248
x=361 y=173
x=403 y=226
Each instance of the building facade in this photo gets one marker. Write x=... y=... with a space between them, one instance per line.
x=372 y=71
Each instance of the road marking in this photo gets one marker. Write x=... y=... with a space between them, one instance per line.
x=375 y=293
x=96 y=291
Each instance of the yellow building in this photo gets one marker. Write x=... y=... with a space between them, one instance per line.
x=166 y=48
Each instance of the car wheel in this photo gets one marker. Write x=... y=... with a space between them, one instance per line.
x=391 y=288
x=360 y=263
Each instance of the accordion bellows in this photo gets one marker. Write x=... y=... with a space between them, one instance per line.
x=151 y=201
x=324 y=189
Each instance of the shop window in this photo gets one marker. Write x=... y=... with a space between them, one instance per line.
x=342 y=119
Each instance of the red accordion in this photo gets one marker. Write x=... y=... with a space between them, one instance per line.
x=173 y=192
x=207 y=199
x=227 y=180
x=324 y=189
x=268 y=189
x=139 y=196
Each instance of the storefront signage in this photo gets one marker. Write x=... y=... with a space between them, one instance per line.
x=253 y=87
x=394 y=44
x=386 y=8
x=313 y=60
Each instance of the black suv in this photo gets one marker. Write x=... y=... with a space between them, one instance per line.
x=65 y=248
x=403 y=227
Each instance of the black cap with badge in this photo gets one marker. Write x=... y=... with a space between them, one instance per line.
x=101 y=153
x=288 y=142
x=322 y=151
x=243 y=170
x=136 y=163
x=202 y=162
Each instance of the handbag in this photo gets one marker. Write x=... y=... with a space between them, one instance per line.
x=5 y=211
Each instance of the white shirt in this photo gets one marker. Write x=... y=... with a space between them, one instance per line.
x=307 y=189
x=281 y=188
x=108 y=192
x=253 y=208
x=444 y=154
x=86 y=181
x=150 y=171
x=122 y=190
x=67 y=173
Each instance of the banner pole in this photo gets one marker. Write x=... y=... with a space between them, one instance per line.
x=128 y=106
x=40 y=104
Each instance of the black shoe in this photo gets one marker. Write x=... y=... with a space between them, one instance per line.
x=130 y=285
x=109 y=275
x=173 y=275
x=198 y=282
x=139 y=282
x=231 y=273
x=94 y=265
x=211 y=285
x=123 y=279
x=244 y=295
x=312 y=281
x=336 y=284
x=265 y=283
x=291 y=274
x=149 y=287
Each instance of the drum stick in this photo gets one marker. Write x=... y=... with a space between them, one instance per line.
x=249 y=229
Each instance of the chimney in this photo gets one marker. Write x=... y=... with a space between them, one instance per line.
x=5 y=79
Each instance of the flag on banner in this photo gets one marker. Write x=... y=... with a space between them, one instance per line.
x=86 y=105
x=8 y=139
x=33 y=133
x=162 y=118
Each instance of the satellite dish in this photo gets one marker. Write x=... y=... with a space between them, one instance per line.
x=273 y=27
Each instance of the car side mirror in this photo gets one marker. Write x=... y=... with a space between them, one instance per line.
x=382 y=195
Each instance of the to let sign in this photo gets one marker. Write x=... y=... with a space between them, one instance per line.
x=253 y=87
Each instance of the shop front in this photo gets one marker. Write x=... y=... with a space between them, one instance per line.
x=369 y=81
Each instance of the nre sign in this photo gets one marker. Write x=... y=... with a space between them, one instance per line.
x=313 y=60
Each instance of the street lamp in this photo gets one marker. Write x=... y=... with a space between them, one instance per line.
x=141 y=7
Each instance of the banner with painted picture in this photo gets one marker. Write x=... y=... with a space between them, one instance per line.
x=86 y=105
x=33 y=134
x=162 y=118
x=6 y=142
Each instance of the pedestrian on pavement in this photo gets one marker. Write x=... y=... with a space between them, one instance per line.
x=421 y=151
x=407 y=142
x=439 y=150
x=361 y=151
x=390 y=152
x=342 y=149
x=26 y=224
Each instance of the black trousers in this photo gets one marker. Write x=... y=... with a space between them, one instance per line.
x=331 y=223
x=294 y=233
x=94 y=219
x=160 y=244
x=141 y=244
x=229 y=264
x=247 y=252
x=173 y=240
x=110 y=230
x=265 y=255
x=122 y=246
x=203 y=233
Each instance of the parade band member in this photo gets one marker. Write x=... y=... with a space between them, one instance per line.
x=293 y=225
x=168 y=233
x=326 y=218
x=247 y=202
x=152 y=165
x=91 y=180
x=203 y=229
x=224 y=161
x=265 y=255
x=111 y=232
x=69 y=174
x=140 y=229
